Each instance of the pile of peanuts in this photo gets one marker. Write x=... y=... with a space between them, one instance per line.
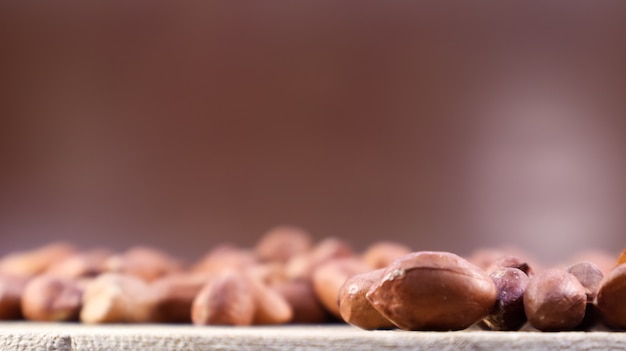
x=287 y=278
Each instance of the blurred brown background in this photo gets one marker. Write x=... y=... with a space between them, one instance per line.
x=182 y=125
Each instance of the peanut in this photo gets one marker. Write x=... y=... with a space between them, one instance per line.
x=433 y=291
x=610 y=300
x=225 y=300
x=52 y=299
x=508 y=313
x=143 y=262
x=382 y=253
x=354 y=306
x=282 y=243
x=329 y=277
x=303 y=265
x=11 y=289
x=34 y=262
x=554 y=300
x=304 y=303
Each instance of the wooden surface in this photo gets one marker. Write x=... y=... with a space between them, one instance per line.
x=61 y=337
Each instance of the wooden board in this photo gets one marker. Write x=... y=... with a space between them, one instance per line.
x=77 y=337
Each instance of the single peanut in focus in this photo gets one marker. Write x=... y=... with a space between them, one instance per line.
x=611 y=297
x=329 y=277
x=52 y=299
x=554 y=300
x=382 y=253
x=225 y=300
x=589 y=275
x=282 y=243
x=354 y=306
x=508 y=313
x=433 y=291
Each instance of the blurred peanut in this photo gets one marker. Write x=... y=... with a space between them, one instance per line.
x=282 y=243
x=382 y=253
x=303 y=265
x=143 y=262
x=329 y=277
x=52 y=299
x=34 y=262
x=306 y=307
x=226 y=299
x=11 y=289
x=354 y=306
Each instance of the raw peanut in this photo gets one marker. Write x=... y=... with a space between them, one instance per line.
x=354 y=306
x=270 y=306
x=174 y=296
x=611 y=297
x=281 y=243
x=11 y=289
x=554 y=300
x=433 y=291
x=81 y=264
x=299 y=294
x=302 y=266
x=329 y=277
x=589 y=275
x=226 y=257
x=52 y=299
x=225 y=300
x=34 y=262
x=382 y=253
x=143 y=262
x=512 y=262
x=604 y=260
x=117 y=298
x=508 y=313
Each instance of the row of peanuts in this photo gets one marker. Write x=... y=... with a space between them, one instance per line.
x=287 y=278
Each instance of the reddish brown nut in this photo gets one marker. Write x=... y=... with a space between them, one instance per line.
x=302 y=266
x=508 y=313
x=611 y=297
x=226 y=258
x=225 y=300
x=174 y=296
x=34 y=262
x=354 y=306
x=306 y=307
x=554 y=300
x=589 y=275
x=117 y=298
x=52 y=299
x=512 y=262
x=81 y=264
x=143 y=262
x=270 y=306
x=268 y=273
x=11 y=289
x=433 y=291
x=329 y=277
x=604 y=260
x=283 y=242
x=382 y=253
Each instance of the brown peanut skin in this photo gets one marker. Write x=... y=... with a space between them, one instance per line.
x=52 y=299
x=11 y=289
x=512 y=262
x=354 y=307
x=555 y=301
x=225 y=300
x=329 y=277
x=382 y=253
x=34 y=262
x=144 y=262
x=117 y=298
x=433 y=291
x=611 y=297
x=174 y=297
x=303 y=265
x=307 y=309
x=81 y=264
x=508 y=313
x=282 y=243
